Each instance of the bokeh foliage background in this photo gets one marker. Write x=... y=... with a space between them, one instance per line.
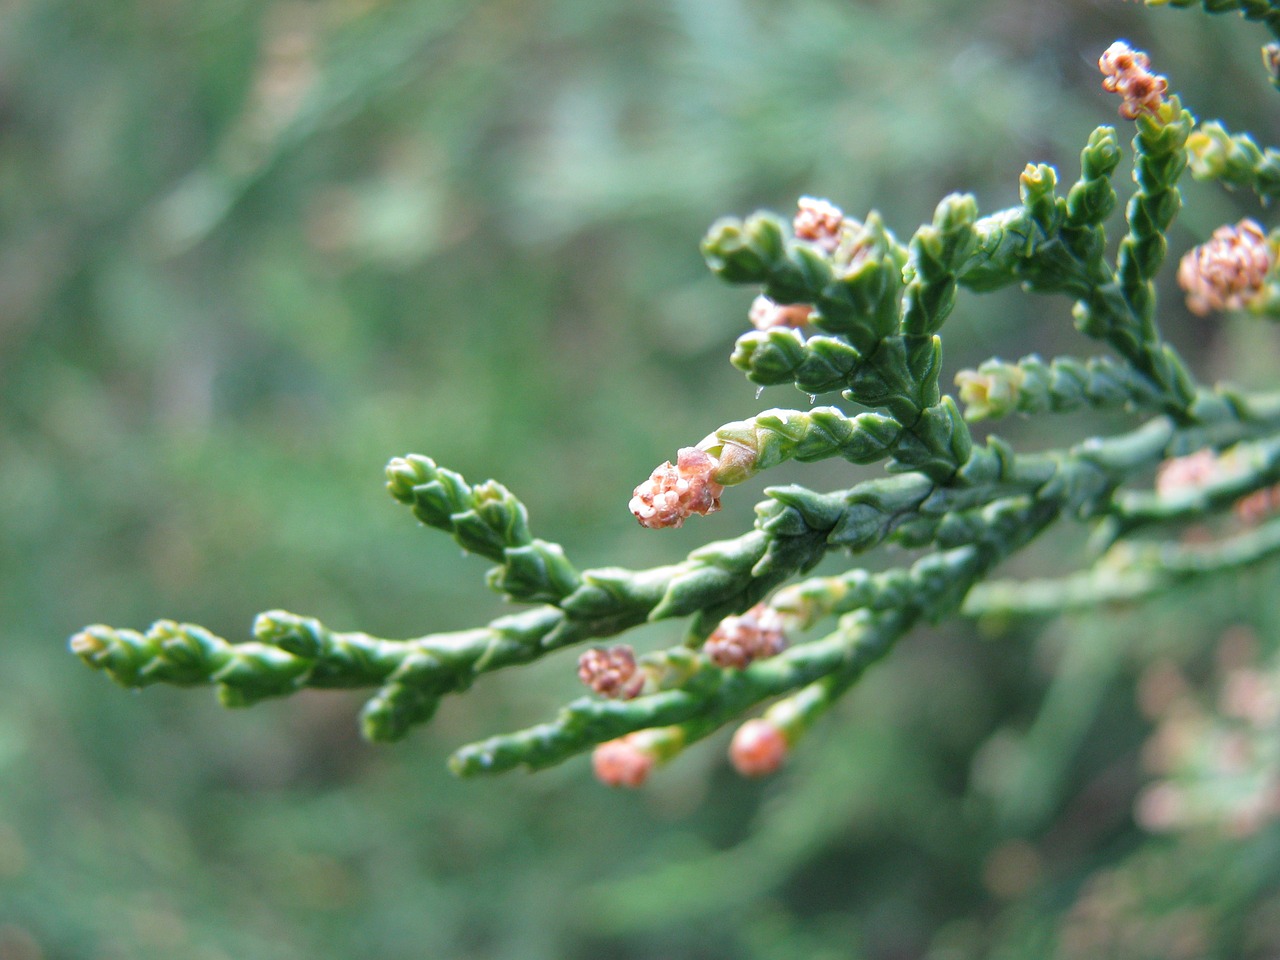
x=250 y=251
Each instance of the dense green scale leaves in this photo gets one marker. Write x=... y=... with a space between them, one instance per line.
x=881 y=307
x=1233 y=159
x=487 y=520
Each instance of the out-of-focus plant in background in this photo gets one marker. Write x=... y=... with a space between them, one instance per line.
x=250 y=251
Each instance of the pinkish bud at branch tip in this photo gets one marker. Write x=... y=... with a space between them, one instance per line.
x=611 y=672
x=1191 y=472
x=819 y=222
x=1126 y=72
x=738 y=641
x=759 y=748
x=672 y=494
x=1229 y=271
x=765 y=314
x=622 y=763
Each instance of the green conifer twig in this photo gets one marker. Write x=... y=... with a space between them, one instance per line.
x=1127 y=575
x=879 y=306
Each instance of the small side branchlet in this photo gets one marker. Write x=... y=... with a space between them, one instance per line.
x=991 y=392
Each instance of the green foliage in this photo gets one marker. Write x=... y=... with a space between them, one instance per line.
x=250 y=251
x=885 y=303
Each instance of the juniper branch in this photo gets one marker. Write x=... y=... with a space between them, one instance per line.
x=879 y=306
x=488 y=520
x=1251 y=467
x=1234 y=159
x=1063 y=385
x=1130 y=573
x=936 y=584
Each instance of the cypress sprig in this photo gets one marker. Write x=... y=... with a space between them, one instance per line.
x=841 y=656
x=795 y=529
x=1243 y=469
x=1050 y=244
x=1159 y=159
x=1125 y=576
x=936 y=443
x=183 y=654
x=819 y=598
x=855 y=290
x=816 y=364
x=1121 y=311
x=488 y=520
x=938 y=582
x=901 y=374
x=1063 y=385
x=1234 y=159
x=938 y=252
x=879 y=308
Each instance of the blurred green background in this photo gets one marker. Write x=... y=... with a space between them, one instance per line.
x=251 y=251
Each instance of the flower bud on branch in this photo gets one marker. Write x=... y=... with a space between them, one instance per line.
x=622 y=762
x=758 y=749
x=1228 y=272
x=819 y=222
x=673 y=494
x=765 y=314
x=1126 y=73
x=738 y=641
x=612 y=672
